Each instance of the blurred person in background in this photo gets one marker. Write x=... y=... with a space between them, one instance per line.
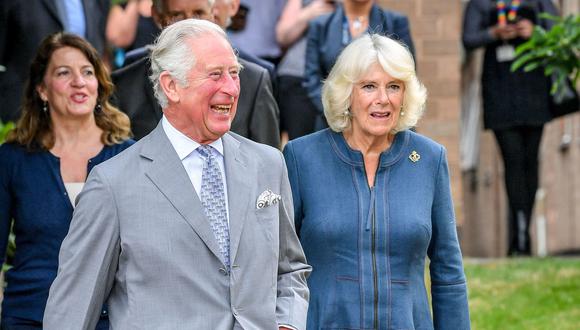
x=257 y=117
x=297 y=113
x=224 y=11
x=66 y=128
x=130 y=27
x=24 y=24
x=254 y=28
x=372 y=201
x=328 y=35
x=515 y=104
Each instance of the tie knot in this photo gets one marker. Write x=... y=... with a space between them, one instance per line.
x=205 y=151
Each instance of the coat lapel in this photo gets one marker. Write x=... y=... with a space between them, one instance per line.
x=53 y=10
x=239 y=192
x=168 y=175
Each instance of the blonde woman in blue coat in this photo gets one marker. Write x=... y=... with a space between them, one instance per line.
x=372 y=201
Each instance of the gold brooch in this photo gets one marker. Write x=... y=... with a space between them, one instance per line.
x=414 y=156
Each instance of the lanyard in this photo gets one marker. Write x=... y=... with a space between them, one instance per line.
x=512 y=14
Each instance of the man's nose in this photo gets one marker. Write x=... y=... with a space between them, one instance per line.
x=231 y=85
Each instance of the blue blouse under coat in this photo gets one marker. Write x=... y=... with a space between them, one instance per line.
x=347 y=243
x=32 y=193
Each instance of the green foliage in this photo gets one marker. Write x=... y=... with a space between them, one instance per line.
x=528 y=293
x=4 y=129
x=556 y=50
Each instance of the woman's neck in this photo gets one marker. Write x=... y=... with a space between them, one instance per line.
x=368 y=145
x=75 y=133
x=355 y=9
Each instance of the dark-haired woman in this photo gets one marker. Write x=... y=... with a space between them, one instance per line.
x=67 y=127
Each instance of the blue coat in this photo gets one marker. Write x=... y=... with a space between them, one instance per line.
x=368 y=246
x=327 y=38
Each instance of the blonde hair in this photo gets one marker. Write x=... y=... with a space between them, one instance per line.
x=354 y=62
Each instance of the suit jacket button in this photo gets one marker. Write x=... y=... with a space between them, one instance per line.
x=223 y=271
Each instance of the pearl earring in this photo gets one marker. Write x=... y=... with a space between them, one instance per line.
x=402 y=111
x=45 y=107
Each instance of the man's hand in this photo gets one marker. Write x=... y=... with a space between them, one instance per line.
x=525 y=28
x=504 y=31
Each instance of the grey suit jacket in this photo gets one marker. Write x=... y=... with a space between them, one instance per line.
x=140 y=241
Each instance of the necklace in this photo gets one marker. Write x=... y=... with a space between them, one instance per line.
x=357 y=22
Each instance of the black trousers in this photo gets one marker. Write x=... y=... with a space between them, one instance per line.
x=519 y=149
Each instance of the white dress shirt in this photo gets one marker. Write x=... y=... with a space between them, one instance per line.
x=192 y=161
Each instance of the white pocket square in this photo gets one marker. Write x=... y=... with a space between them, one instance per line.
x=267 y=198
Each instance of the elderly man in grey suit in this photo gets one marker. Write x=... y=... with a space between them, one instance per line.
x=192 y=227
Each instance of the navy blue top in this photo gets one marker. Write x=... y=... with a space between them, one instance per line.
x=33 y=194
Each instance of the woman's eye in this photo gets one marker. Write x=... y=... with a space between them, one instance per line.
x=62 y=73
x=88 y=72
x=368 y=87
x=394 y=87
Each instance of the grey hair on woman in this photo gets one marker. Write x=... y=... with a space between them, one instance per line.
x=354 y=61
x=172 y=53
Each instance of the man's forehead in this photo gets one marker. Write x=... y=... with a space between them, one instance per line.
x=186 y=5
x=213 y=50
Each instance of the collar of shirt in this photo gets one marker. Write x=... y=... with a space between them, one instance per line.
x=191 y=159
x=184 y=145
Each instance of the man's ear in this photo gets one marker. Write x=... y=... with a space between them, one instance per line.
x=169 y=86
x=234 y=6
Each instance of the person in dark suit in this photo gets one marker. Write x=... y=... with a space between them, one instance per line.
x=329 y=34
x=26 y=23
x=257 y=117
x=515 y=104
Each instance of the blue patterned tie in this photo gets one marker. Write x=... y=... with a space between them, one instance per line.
x=214 y=201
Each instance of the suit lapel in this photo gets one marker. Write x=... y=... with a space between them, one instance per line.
x=91 y=13
x=53 y=10
x=239 y=198
x=168 y=175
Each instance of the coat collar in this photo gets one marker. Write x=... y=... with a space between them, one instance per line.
x=355 y=157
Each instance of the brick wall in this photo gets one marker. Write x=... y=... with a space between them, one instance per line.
x=436 y=31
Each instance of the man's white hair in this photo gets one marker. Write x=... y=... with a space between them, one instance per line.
x=172 y=53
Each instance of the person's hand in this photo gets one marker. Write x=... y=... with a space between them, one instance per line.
x=504 y=31
x=525 y=28
x=317 y=8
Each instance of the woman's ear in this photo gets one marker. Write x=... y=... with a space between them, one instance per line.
x=41 y=90
x=169 y=86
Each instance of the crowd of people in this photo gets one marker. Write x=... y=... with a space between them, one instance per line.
x=156 y=197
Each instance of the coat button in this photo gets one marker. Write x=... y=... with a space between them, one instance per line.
x=223 y=271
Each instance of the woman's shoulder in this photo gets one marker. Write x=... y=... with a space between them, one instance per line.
x=312 y=140
x=10 y=150
x=426 y=144
x=118 y=147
